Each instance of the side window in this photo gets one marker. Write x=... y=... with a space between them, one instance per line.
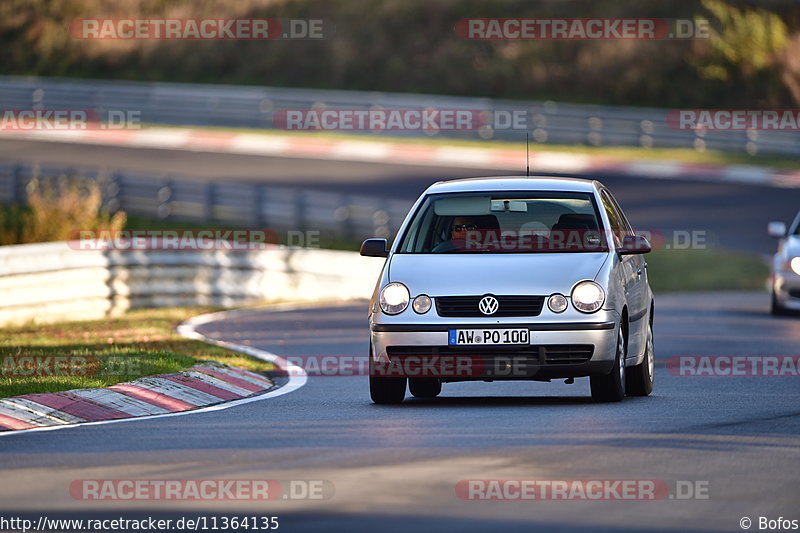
x=414 y=238
x=614 y=218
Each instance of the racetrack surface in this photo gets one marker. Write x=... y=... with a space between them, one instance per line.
x=729 y=215
x=394 y=468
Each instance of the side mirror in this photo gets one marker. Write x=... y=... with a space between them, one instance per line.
x=634 y=244
x=776 y=230
x=374 y=248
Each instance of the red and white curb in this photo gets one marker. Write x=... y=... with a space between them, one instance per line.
x=205 y=387
x=400 y=153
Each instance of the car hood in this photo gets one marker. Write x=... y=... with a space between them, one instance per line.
x=505 y=274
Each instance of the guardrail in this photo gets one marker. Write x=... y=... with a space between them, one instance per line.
x=255 y=107
x=339 y=216
x=49 y=282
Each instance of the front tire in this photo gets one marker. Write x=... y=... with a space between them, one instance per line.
x=385 y=390
x=640 y=377
x=611 y=387
x=424 y=387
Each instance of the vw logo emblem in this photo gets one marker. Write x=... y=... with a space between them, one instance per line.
x=488 y=305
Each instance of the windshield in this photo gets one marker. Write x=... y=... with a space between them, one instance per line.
x=505 y=222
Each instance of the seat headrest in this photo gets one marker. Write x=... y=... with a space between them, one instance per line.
x=486 y=222
x=576 y=221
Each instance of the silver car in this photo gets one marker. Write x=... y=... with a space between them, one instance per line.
x=786 y=267
x=510 y=278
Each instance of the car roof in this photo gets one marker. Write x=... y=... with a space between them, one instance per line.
x=514 y=183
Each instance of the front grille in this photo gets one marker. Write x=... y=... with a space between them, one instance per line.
x=467 y=306
x=554 y=354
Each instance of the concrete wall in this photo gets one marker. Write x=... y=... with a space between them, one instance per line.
x=51 y=281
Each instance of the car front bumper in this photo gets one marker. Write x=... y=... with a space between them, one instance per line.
x=556 y=350
x=786 y=287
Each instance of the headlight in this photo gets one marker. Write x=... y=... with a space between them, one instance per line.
x=394 y=298
x=557 y=303
x=422 y=304
x=588 y=296
x=791 y=264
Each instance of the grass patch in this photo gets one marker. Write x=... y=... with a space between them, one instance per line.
x=705 y=270
x=140 y=343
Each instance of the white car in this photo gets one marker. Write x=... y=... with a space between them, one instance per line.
x=505 y=278
x=786 y=267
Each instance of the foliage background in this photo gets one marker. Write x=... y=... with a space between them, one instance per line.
x=752 y=59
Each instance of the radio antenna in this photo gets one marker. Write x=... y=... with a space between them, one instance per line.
x=527 y=156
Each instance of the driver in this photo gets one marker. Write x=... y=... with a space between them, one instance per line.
x=459 y=228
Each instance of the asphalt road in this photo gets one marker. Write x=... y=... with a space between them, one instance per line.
x=731 y=215
x=394 y=468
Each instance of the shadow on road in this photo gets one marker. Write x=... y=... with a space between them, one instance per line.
x=497 y=401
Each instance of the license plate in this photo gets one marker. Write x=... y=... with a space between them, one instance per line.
x=472 y=337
